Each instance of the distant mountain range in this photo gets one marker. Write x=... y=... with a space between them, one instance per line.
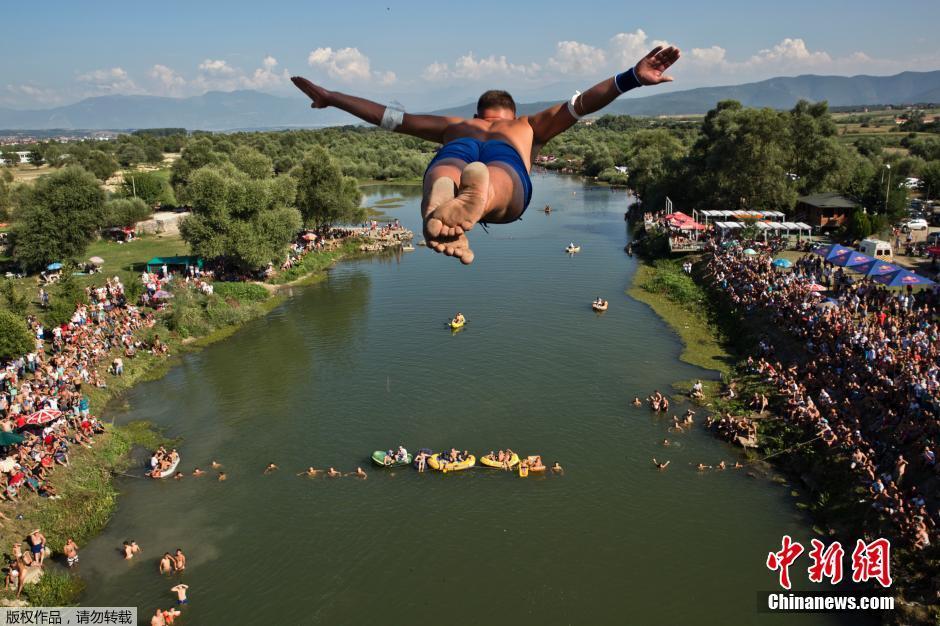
x=775 y=93
x=248 y=109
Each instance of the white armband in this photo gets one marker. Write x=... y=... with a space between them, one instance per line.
x=392 y=118
x=571 y=103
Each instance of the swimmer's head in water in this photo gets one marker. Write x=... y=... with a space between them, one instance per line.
x=496 y=100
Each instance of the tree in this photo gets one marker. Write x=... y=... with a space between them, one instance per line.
x=815 y=151
x=324 y=196
x=252 y=162
x=17 y=301
x=130 y=154
x=15 y=337
x=860 y=225
x=653 y=154
x=57 y=218
x=67 y=294
x=930 y=179
x=125 y=212
x=151 y=187
x=35 y=157
x=99 y=163
x=596 y=160
x=197 y=154
x=10 y=158
x=240 y=221
x=6 y=194
x=741 y=160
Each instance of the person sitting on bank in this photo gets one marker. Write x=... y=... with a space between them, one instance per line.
x=481 y=174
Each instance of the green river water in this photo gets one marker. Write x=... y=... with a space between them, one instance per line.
x=363 y=361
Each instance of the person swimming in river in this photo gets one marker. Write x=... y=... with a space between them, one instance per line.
x=481 y=174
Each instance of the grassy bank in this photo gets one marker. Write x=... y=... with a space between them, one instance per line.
x=676 y=298
x=88 y=494
x=313 y=265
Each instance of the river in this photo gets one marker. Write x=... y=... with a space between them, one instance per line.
x=362 y=361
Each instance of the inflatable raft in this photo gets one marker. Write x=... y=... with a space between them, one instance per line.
x=513 y=461
x=436 y=464
x=378 y=457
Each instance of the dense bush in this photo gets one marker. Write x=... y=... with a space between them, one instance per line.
x=15 y=338
x=242 y=292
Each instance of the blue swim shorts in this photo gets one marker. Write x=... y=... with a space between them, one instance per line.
x=469 y=150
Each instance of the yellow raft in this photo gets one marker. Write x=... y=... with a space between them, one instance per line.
x=435 y=464
x=513 y=461
x=455 y=325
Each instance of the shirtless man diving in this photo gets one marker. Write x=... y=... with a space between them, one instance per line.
x=481 y=174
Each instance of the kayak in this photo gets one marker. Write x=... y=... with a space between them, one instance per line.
x=378 y=457
x=599 y=307
x=513 y=461
x=456 y=325
x=573 y=250
x=533 y=468
x=445 y=467
x=169 y=471
x=523 y=471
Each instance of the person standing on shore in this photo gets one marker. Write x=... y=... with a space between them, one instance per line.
x=37 y=545
x=71 y=552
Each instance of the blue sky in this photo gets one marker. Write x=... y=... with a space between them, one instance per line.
x=432 y=54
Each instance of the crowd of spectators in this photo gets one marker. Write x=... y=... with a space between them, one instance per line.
x=867 y=380
x=54 y=379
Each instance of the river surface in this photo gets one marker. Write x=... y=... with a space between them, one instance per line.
x=363 y=361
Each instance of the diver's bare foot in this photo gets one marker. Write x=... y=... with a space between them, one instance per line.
x=458 y=246
x=457 y=216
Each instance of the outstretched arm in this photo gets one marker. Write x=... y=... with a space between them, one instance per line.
x=429 y=127
x=650 y=70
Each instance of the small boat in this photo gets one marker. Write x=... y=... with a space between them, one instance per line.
x=547 y=209
x=533 y=463
x=444 y=466
x=455 y=325
x=599 y=306
x=573 y=249
x=378 y=457
x=488 y=462
x=169 y=471
x=407 y=247
x=523 y=470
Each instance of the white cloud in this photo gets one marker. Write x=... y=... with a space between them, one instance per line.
x=15 y=95
x=170 y=82
x=266 y=76
x=714 y=55
x=348 y=65
x=109 y=81
x=789 y=52
x=218 y=67
x=469 y=67
x=573 y=57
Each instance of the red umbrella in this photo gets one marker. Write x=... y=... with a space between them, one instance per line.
x=41 y=417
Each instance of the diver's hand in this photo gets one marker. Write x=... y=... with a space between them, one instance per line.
x=319 y=95
x=650 y=70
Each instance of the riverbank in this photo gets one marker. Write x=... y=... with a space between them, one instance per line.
x=88 y=496
x=713 y=333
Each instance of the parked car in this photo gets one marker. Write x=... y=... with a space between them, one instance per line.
x=914 y=224
x=933 y=239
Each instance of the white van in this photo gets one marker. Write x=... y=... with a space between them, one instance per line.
x=876 y=248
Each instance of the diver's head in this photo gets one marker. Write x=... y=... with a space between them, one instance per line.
x=496 y=104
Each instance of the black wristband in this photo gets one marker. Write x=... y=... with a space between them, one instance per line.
x=627 y=80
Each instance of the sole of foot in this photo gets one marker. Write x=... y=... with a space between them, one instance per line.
x=457 y=215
